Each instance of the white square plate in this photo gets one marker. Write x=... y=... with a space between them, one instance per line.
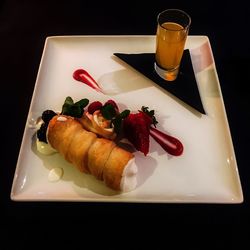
x=205 y=173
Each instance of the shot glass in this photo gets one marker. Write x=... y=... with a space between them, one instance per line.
x=172 y=31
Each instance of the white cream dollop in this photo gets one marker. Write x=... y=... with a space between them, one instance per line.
x=61 y=118
x=44 y=148
x=129 y=176
x=55 y=174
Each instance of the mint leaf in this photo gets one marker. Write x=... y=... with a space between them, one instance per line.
x=68 y=100
x=108 y=111
x=66 y=109
x=82 y=103
x=124 y=113
x=117 y=121
x=74 y=109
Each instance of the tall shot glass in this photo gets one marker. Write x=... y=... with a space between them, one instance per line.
x=172 y=31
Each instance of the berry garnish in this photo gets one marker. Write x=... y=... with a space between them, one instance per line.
x=47 y=115
x=41 y=132
x=113 y=103
x=94 y=106
x=136 y=129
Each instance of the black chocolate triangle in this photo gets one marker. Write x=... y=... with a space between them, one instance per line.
x=184 y=87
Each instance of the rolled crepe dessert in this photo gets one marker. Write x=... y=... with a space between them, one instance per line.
x=90 y=154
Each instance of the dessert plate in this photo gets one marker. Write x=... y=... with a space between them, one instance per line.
x=207 y=170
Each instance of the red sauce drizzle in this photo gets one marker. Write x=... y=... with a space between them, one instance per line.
x=83 y=76
x=169 y=143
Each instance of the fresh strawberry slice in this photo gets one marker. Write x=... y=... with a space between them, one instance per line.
x=136 y=130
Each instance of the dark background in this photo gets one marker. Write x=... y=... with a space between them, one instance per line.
x=24 y=25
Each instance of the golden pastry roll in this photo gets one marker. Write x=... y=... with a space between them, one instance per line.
x=66 y=135
x=114 y=167
x=98 y=155
x=89 y=154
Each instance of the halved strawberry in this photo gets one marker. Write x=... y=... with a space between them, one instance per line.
x=136 y=130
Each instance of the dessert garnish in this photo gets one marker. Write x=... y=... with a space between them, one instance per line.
x=47 y=115
x=107 y=121
x=83 y=76
x=138 y=127
x=74 y=109
x=104 y=119
x=69 y=108
x=94 y=106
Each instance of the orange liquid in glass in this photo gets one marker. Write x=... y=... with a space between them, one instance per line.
x=170 y=42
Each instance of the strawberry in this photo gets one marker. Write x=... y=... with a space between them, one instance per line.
x=136 y=130
x=94 y=106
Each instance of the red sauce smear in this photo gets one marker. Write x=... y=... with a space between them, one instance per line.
x=169 y=143
x=83 y=76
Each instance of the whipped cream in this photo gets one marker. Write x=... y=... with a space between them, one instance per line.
x=129 y=176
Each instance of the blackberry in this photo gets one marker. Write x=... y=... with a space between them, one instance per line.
x=41 y=132
x=47 y=115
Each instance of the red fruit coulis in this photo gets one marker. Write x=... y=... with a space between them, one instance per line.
x=169 y=143
x=83 y=76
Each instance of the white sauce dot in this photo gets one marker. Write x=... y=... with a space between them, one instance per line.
x=61 y=118
x=55 y=174
x=44 y=148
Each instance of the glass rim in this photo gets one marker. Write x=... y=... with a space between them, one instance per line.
x=175 y=10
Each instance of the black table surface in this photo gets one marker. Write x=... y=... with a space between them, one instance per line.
x=24 y=25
